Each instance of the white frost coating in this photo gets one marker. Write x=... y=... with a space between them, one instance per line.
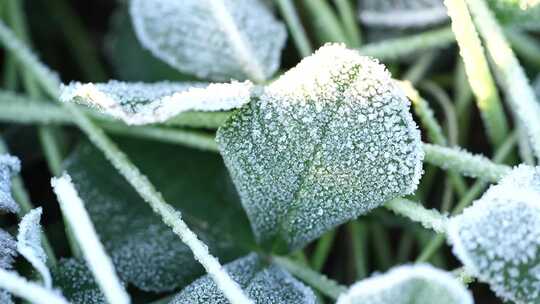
x=143 y=103
x=9 y=166
x=329 y=140
x=264 y=283
x=402 y=13
x=99 y=263
x=419 y=284
x=212 y=39
x=7 y=249
x=498 y=237
x=29 y=291
x=29 y=244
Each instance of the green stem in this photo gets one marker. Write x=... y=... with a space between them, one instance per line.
x=298 y=33
x=322 y=250
x=349 y=21
x=429 y=218
x=526 y=46
x=419 y=68
x=358 y=234
x=381 y=244
x=393 y=49
x=312 y=278
x=464 y=162
x=448 y=108
x=521 y=96
x=327 y=26
x=476 y=67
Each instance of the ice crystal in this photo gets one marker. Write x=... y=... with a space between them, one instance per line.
x=77 y=283
x=9 y=166
x=29 y=244
x=402 y=13
x=418 y=284
x=143 y=103
x=262 y=283
x=498 y=237
x=329 y=140
x=212 y=39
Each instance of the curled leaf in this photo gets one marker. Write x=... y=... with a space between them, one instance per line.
x=212 y=39
x=418 y=284
x=329 y=140
x=498 y=237
x=402 y=13
x=143 y=103
x=262 y=282
x=29 y=244
x=9 y=166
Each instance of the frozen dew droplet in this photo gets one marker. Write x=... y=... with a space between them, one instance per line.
x=300 y=147
x=420 y=284
x=9 y=166
x=212 y=39
x=498 y=237
x=264 y=283
x=145 y=103
x=402 y=13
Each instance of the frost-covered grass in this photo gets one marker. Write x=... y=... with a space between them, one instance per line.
x=270 y=151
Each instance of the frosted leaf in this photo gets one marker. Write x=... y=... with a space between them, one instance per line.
x=77 y=283
x=522 y=13
x=145 y=252
x=29 y=244
x=143 y=103
x=263 y=283
x=212 y=39
x=418 y=284
x=5 y=297
x=402 y=13
x=9 y=166
x=498 y=237
x=329 y=140
x=7 y=250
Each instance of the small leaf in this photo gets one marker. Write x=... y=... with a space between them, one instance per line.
x=29 y=244
x=402 y=13
x=329 y=140
x=263 y=283
x=143 y=103
x=418 y=284
x=521 y=13
x=9 y=166
x=7 y=250
x=212 y=39
x=145 y=251
x=77 y=283
x=498 y=237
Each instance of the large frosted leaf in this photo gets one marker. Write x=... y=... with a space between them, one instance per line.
x=418 y=284
x=498 y=237
x=145 y=251
x=329 y=140
x=77 y=283
x=263 y=283
x=143 y=103
x=29 y=244
x=9 y=166
x=524 y=13
x=212 y=39
x=402 y=13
